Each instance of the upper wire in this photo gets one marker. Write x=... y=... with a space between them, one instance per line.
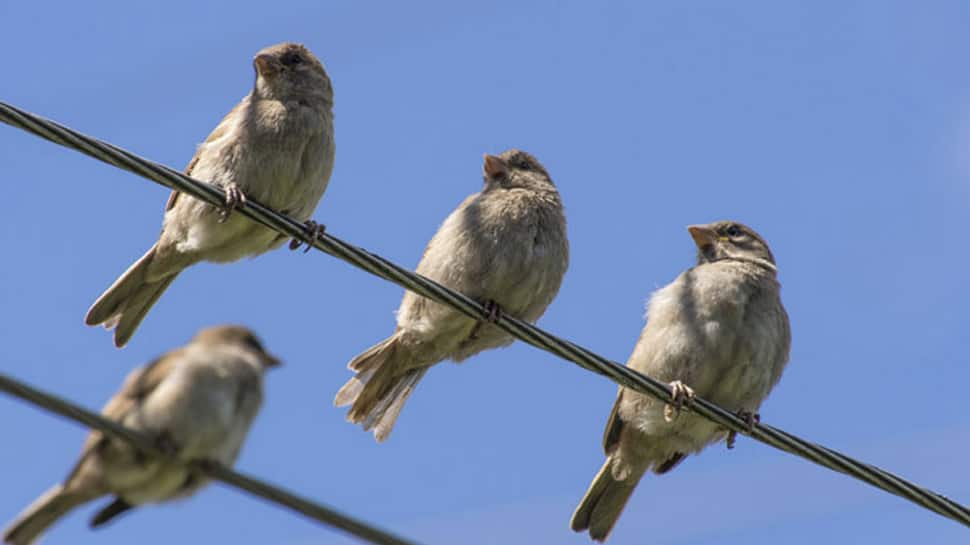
x=523 y=331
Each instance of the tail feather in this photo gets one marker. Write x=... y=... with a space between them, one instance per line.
x=350 y=391
x=124 y=305
x=378 y=392
x=391 y=408
x=604 y=501
x=137 y=308
x=40 y=515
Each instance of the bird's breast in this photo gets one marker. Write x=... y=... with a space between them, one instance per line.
x=291 y=162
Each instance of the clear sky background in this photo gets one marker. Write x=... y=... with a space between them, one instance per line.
x=839 y=130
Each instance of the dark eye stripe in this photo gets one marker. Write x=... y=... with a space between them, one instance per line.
x=252 y=342
x=291 y=58
x=521 y=164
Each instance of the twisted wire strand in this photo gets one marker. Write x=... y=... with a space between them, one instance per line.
x=214 y=470
x=523 y=331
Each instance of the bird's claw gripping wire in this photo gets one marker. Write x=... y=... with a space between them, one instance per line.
x=750 y=419
x=164 y=443
x=97 y=149
x=312 y=231
x=492 y=311
x=235 y=199
x=683 y=397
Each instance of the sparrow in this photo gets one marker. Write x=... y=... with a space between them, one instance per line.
x=505 y=247
x=275 y=146
x=718 y=331
x=196 y=402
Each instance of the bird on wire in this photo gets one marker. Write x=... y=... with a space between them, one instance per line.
x=719 y=331
x=504 y=246
x=196 y=402
x=275 y=146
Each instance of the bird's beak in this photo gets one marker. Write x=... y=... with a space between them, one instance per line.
x=270 y=360
x=702 y=235
x=266 y=65
x=495 y=167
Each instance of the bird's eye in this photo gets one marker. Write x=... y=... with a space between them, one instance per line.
x=520 y=164
x=291 y=59
x=253 y=343
x=733 y=231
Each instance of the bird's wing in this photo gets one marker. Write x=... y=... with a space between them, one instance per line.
x=137 y=386
x=221 y=129
x=614 y=426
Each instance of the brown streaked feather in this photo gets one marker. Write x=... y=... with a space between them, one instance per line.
x=138 y=384
x=172 y=197
x=216 y=133
x=614 y=427
x=611 y=439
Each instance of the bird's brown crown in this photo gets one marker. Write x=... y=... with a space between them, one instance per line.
x=235 y=335
x=727 y=240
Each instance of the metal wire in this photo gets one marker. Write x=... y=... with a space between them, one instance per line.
x=523 y=331
x=217 y=471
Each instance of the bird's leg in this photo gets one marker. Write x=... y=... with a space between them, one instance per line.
x=311 y=232
x=493 y=311
x=166 y=444
x=235 y=198
x=750 y=419
x=682 y=396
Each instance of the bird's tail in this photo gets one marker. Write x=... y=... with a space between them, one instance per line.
x=378 y=391
x=127 y=301
x=40 y=515
x=604 y=501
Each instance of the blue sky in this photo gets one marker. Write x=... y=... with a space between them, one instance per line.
x=839 y=130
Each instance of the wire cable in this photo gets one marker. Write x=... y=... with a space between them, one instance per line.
x=214 y=470
x=523 y=331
